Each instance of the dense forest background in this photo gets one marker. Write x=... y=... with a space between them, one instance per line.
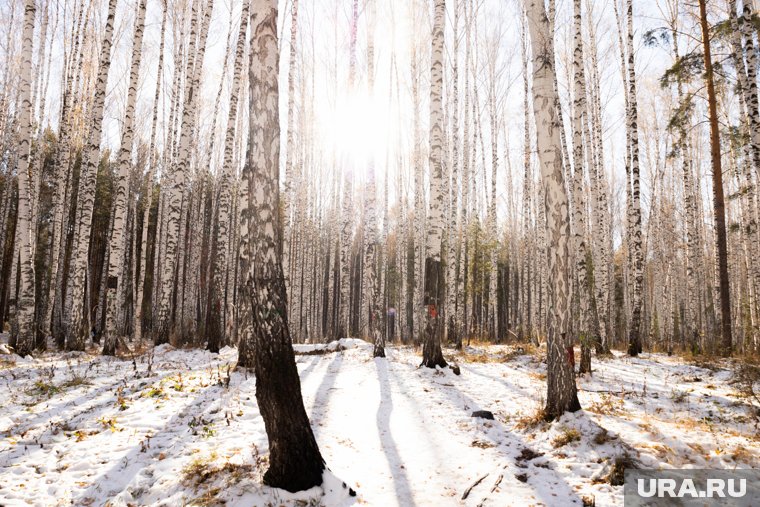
x=127 y=222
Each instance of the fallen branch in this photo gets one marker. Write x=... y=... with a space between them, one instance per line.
x=498 y=481
x=607 y=391
x=318 y=351
x=467 y=491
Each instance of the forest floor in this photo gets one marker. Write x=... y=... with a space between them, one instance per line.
x=180 y=427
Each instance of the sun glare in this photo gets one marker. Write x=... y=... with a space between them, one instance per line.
x=357 y=130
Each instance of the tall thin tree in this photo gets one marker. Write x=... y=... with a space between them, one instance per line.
x=562 y=393
x=432 y=355
x=25 y=304
x=117 y=242
x=719 y=205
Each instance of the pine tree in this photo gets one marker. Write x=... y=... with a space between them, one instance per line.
x=726 y=344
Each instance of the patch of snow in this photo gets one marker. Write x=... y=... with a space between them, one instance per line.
x=87 y=430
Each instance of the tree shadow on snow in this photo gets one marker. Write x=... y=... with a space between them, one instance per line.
x=172 y=437
x=549 y=486
x=383 y=418
x=322 y=395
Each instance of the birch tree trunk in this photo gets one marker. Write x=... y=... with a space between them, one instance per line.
x=561 y=390
x=180 y=170
x=27 y=229
x=432 y=355
x=604 y=234
x=117 y=244
x=75 y=332
x=216 y=323
x=637 y=256
x=585 y=293
x=295 y=462
x=152 y=162
x=455 y=235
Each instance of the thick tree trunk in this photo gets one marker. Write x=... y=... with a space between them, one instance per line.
x=295 y=462
x=561 y=390
x=26 y=228
x=432 y=355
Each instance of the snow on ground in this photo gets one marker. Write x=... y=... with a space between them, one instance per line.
x=181 y=427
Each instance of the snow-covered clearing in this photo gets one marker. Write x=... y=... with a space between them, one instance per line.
x=180 y=427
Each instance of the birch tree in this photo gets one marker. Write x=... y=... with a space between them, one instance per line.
x=180 y=169
x=561 y=390
x=295 y=462
x=117 y=241
x=216 y=323
x=637 y=256
x=434 y=273
x=24 y=224
x=76 y=333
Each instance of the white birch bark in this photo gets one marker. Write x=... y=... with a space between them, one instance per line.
x=217 y=320
x=634 y=338
x=561 y=390
x=180 y=170
x=117 y=242
x=75 y=333
x=152 y=163
x=585 y=293
x=26 y=297
x=434 y=274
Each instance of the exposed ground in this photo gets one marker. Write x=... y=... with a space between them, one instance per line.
x=180 y=427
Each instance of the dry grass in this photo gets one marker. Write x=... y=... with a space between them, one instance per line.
x=603 y=437
x=541 y=377
x=606 y=405
x=134 y=349
x=481 y=444
x=703 y=361
x=479 y=357
x=206 y=469
x=533 y=420
x=502 y=356
x=679 y=396
x=740 y=454
x=748 y=385
x=620 y=464
x=76 y=381
x=44 y=388
x=661 y=451
x=566 y=436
